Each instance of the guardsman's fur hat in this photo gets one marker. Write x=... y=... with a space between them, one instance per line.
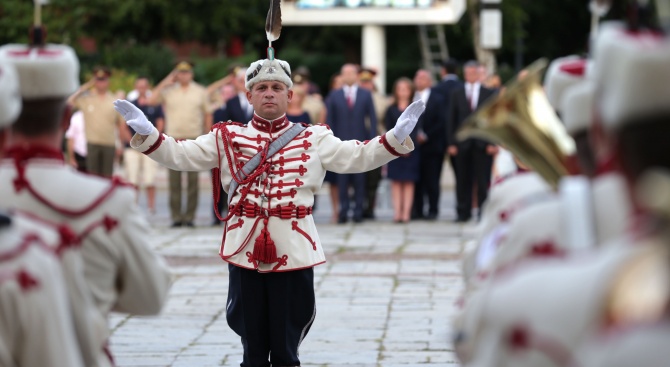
x=50 y=71
x=270 y=69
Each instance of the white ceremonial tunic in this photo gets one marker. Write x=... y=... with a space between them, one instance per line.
x=89 y=323
x=537 y=313
x=506 y=197
x=122 y=272
x=288 y=184
x=36 y=325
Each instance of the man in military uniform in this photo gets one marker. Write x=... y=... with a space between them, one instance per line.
x=187 y=115
x=101 y=123
x=120 y=270
x=270 y=240
x=313 y=102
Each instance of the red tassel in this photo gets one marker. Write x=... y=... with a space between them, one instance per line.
x=264 y=248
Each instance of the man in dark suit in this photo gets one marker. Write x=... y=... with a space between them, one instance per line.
x=472 y=158
x=238 y=108
x=449 y=81
x=432 y=139
x=347 y=110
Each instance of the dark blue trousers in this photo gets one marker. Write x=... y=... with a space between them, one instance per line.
x=271 y=312
x=343 y=182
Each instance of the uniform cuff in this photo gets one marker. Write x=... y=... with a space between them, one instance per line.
x=393 y=145
x=149 y=144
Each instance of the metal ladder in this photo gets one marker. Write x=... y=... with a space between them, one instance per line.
x=433 y=47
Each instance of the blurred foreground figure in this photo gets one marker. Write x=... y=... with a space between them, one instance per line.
x=120 y=271
x=586 y=293
x=36 y=312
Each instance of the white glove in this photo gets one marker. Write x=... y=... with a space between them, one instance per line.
x=407 y=120
x=134 y=117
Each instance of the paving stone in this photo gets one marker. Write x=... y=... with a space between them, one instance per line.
x=385 y=297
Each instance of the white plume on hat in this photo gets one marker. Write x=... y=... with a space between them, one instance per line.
x=632 y=75
x=10 y=97
x=557 y=80
x=268 y=70
x=44 y=72
x=577 y=107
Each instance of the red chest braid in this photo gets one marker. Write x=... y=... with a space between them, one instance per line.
x=22 y=155
x=264 y=249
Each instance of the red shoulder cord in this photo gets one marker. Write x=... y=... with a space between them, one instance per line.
x=22 y=156
x=224 y=134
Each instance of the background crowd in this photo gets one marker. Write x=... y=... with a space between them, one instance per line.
x=353 y=107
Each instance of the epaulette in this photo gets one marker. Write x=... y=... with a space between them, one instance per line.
x=326 y=125
x=231 y=122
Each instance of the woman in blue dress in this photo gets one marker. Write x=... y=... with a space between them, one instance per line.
x=403 y=171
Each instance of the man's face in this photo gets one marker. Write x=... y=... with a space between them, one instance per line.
x=349 y=74
x=184 y=77
x=142 y=85
x=471 y=74
x=270 y=99
x=421 y=80
x=102 y=84
x=228 y=91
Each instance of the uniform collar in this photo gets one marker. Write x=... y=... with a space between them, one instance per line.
x=269 y=126
x=22 y=154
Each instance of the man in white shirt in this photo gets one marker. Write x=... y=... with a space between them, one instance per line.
x=76 y=142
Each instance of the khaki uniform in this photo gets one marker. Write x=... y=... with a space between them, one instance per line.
x=381 y=103
x=36 y=321
x=100 y=122
x=314 y=107
x=120 y=269
x=185 y=110
x=284 y=195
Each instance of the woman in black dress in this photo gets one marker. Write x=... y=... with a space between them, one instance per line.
x=403 y=171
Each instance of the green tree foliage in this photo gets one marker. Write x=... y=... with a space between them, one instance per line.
x=146 y=21
x=130 y=34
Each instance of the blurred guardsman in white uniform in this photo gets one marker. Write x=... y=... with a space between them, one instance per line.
x=37 y=324
x=540 y=313
x=122 y=273
x=590 y=209
x=270 y=240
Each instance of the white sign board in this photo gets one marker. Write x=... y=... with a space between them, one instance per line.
x=490 y=35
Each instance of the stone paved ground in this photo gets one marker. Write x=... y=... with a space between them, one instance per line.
x=384 y=298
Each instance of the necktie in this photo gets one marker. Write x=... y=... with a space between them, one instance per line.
x=469 y=92
x=350 y=101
